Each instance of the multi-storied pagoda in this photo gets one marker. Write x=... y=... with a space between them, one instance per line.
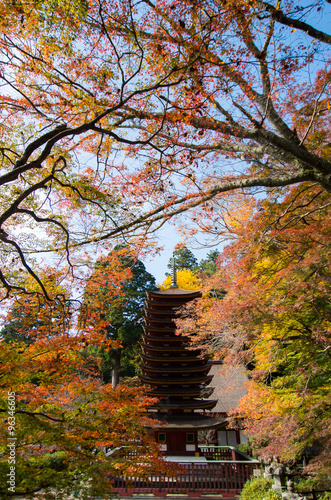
x=175 y=374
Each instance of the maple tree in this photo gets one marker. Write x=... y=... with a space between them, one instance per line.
x=65 y=424
x=119 y=116
x=33 y=316
x=275 y=319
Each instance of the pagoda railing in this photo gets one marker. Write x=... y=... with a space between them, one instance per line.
x=221 y=453
x=194 y=479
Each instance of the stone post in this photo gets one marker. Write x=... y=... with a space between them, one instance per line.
x=290 y=494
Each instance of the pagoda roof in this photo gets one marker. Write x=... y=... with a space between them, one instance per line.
x=191 y=404
x=189 y=391
x=174 y=292
x=187 y=421
x=176 y=369
x=185 y=359
x=200 y=379
x=176 y=348
x=171 y=314
x=157 y=321
x=166 y=338
x=161 y=329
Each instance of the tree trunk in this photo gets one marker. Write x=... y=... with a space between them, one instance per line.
x=115 y=374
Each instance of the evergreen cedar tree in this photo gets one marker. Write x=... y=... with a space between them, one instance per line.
x=117 y=117
x=120 y=317
x=184 y=259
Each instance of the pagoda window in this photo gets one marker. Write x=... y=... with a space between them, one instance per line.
x=161 y=437
x=189 y=437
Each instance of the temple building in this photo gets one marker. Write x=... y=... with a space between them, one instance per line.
x=176 y=374
x=179 y=377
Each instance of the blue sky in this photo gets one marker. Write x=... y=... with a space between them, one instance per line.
x=168 y=238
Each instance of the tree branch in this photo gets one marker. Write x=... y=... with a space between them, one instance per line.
x=280 y=17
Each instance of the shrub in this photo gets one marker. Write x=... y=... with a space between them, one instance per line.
x=244 y=447
x=272 y=495
x=307 y=484
x=259 y=488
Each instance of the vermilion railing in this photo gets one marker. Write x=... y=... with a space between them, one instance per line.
x=227 y=478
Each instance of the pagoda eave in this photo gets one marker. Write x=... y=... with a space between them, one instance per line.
x=176 y=348
x=185 y=405
x=195 y=421
x=165 y=338
x=173 y=359
x=161 y=392
x=204 y=379
x=175 y=369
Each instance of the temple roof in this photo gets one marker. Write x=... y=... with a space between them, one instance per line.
x=230 y=384
x=182 y=404
x=200 y=379
x=194 y=421
x=176 y=369
x=175 y=291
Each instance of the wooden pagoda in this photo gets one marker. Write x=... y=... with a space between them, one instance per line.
x=175 y=374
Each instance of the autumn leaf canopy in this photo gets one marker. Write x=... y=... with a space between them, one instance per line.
x=117 y=116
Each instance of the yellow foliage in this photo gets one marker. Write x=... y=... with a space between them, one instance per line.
x=186 y=280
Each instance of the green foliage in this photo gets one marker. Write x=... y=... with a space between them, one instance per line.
x=11 y=332
x=304 y=485
x=29 y=318
x=120 y=316
x=184 y=259
x=244 y=447
x=57 y=461
x=124 y=317
x=208 y=265
x=259 y=488
x=272 y=495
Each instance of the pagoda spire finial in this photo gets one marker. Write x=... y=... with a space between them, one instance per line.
x=173 y=273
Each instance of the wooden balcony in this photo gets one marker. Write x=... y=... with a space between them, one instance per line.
x=225 y=478
x=198 y=476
